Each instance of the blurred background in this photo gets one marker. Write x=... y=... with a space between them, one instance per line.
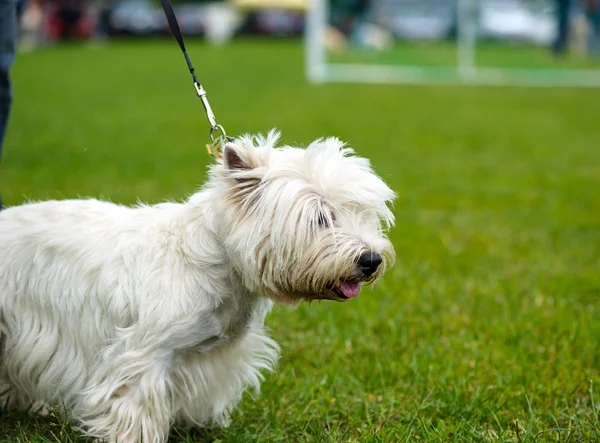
x=484 y=41
x=376 y=25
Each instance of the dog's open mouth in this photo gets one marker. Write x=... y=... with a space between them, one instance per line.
x=346 y=290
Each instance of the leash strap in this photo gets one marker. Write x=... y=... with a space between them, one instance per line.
x=214 y=148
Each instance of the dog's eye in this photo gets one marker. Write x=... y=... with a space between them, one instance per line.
x=323 y=221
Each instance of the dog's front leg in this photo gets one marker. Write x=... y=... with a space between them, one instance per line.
x=130 y=398
x=132 y=403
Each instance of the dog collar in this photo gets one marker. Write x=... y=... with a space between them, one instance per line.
x=215 y=149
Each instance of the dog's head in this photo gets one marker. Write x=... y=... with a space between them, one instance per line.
x=302 y=223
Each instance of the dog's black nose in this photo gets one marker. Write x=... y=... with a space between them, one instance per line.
x=368 y=262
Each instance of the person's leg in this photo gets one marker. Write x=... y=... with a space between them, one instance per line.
x=21 y=5
x=562 y=18
x=8 y=43
x=594 y=43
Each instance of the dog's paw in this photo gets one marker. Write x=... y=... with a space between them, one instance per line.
x=40 y=408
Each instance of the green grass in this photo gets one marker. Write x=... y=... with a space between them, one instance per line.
x=487 y=55
x=487 y=329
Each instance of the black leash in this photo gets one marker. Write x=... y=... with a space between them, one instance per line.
x=217 y=144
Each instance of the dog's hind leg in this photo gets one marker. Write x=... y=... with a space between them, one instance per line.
x=8 y=395
x=13 y=398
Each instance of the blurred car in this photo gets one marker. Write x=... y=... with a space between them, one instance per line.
x=191 y=18
x=517 y=20
x=137 y=17
x=279 y=18
x=417 y=20
x=274 y=22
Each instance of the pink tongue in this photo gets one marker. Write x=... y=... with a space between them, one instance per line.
x=350 y=290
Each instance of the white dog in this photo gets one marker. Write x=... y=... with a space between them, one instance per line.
x=134 y=319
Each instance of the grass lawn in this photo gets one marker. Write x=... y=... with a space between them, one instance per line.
x=487 y=329
x=487 y=55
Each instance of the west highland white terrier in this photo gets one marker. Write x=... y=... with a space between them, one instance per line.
x=135 y=319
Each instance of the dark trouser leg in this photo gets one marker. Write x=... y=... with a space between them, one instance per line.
x=562 y=18
x=8 y=43
x=594 y=41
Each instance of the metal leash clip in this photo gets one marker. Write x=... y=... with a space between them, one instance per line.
x=216 y=147
x=209 y=112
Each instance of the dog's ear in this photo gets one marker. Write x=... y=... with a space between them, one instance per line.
x=242 y=165
x=233 y=160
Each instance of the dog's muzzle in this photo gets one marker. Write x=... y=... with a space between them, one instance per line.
x=367 y=264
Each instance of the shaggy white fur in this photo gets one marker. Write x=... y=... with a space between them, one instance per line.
x=133 y=319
